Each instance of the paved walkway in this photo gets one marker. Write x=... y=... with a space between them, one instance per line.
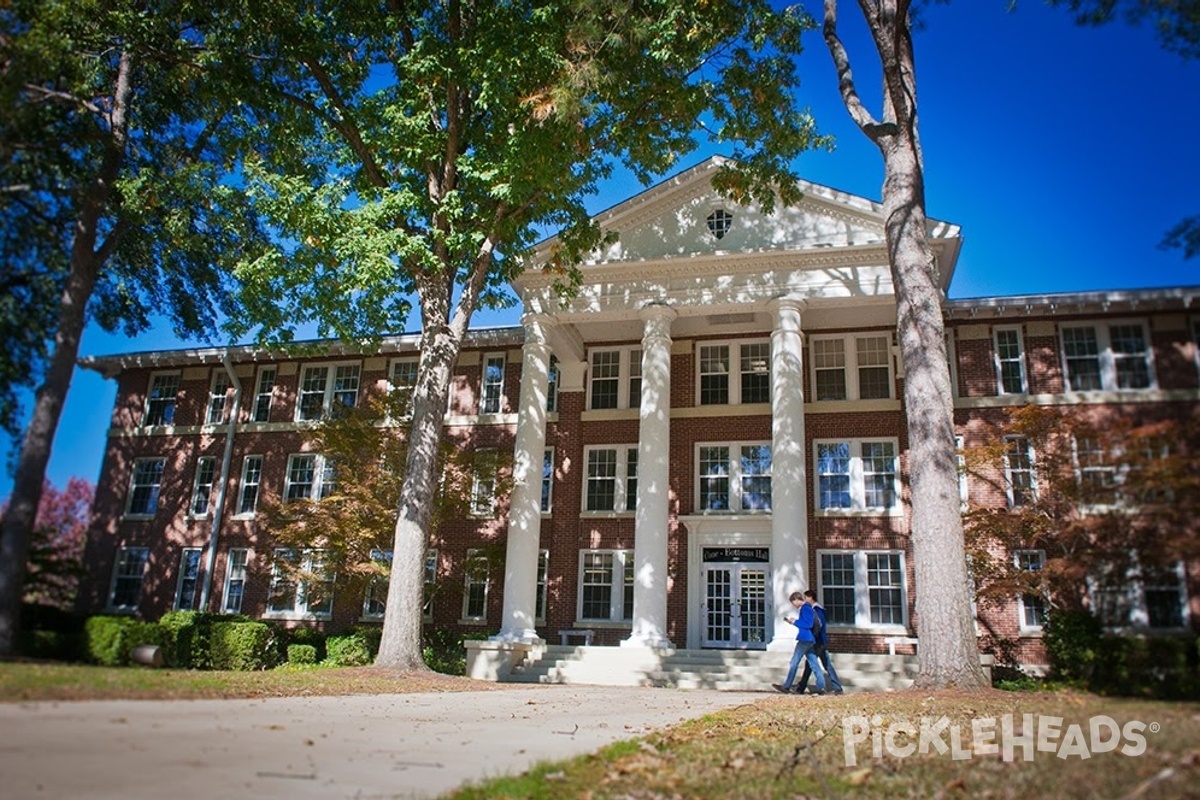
x=364 y=746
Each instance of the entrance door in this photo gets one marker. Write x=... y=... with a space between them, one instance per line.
x=735 y=606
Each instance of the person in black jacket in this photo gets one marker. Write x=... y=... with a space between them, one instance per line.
x=820 y=649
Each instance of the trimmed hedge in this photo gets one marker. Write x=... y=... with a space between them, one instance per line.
x=110 y=640
x=301 y=654
x=242 y=645
x=347 y=651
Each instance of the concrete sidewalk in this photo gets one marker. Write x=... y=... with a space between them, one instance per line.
x=363 y=746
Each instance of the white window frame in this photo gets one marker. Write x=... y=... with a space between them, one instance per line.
x=624 y=481
x=547 y=496
x=1105 y=357
x=734 y=369
x=552 y=377
x=964 y=494
x=736 y=476
x=429 y=584
x=264 y=395
x=1030 y=560
x=202 y=486
x=136 y=477
x=999 y=360
x=491 y=390
x=375 y=593
x=323 y=478
x=862 y=589
x=217 y=410
x=620 y=582
x=235 y=572
x=310 y=561
x=629 y=375
x=485 y=473
x=542 y=592
x=394 y=369
x=189 y=574
x=1009 y=471
x=245 y=484
x=850 y=367
x=471 y=580
x=856 y=478
x=127 y=562
x=158 y=401
x=331 y=389
x=1133 y=591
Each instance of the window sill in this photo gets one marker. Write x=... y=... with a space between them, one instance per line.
x=472 y=621
x=297 y=616
x=867 y=512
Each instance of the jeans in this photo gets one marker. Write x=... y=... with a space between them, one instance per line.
x=822 y=653
x=806 y=651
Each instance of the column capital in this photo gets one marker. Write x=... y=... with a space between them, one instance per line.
x=657 y=312
x=536 y=327
x=788 y=302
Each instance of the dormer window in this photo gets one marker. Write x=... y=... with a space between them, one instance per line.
x=719 y=222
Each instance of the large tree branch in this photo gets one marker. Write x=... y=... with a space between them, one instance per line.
x=54 y=94
x=345 y=125
x=873 y=129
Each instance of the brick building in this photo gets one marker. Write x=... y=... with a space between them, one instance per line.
x=664 y=406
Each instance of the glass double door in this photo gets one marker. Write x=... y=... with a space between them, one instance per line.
x=735 y=606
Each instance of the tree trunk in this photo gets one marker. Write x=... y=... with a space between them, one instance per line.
x=400 y=647
x=16 y=528
x=948 y=652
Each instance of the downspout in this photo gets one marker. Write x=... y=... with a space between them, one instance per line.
x=219 y=508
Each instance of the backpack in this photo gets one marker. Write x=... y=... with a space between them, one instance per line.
x=818 y=626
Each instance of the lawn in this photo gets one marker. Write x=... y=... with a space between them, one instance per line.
x=773 y=746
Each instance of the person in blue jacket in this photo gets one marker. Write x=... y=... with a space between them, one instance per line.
x=821 y=648
x=805 y=642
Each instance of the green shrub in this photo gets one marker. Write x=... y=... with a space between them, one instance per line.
x=1073 y=644
x=347 y=651
x=105 y=640
x=179 y=631
x=301 y=654
x=242 y=645
x=51 y=645
x=445 y=652
x=303 y=635
x=371 y=634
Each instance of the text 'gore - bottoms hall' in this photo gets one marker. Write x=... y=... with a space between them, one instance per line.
x=713 y=421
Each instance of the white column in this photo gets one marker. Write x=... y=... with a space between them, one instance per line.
x=650 y=521
x=789 y=473
x=525 y=512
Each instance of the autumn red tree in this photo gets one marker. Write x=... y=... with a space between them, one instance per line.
x=56 y=548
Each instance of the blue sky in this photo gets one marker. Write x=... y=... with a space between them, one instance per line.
x=1063 y=152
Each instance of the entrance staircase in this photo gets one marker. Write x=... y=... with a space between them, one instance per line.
x=730 y=670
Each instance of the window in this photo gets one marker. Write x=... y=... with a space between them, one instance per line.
x=475 y=590
x=217 y=395
x=963 y=494
x=1033 y=607
x=611 y=479
x=251 y=478
x=1135 y=596
x=375 y=598
x=431 y=563
x=201 y=493
x=547 y=480
x=552 y=387
x=1010 y=360
x=719 y=222
x=145 y=486
x=1019 y=476
x=852 y=367
x=857 y=476
x=1113 y=357
x=734 y=477
x=189 y=578
x=264 y=395
x=1097 y=474
x=542 y=579
x=160 y=402
x=301 y=586
x=493 y=384
x=609 y=371
x=309 y=477
x=862 y=588
x=235 y=581
x=128 y=573
x=606 y=585
x=738 y=372
x=325 y=388
x=483 y=483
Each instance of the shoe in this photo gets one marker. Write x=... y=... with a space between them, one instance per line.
x=779 y=687
x=817 y=691
x=798 y=690
x=839 y=691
